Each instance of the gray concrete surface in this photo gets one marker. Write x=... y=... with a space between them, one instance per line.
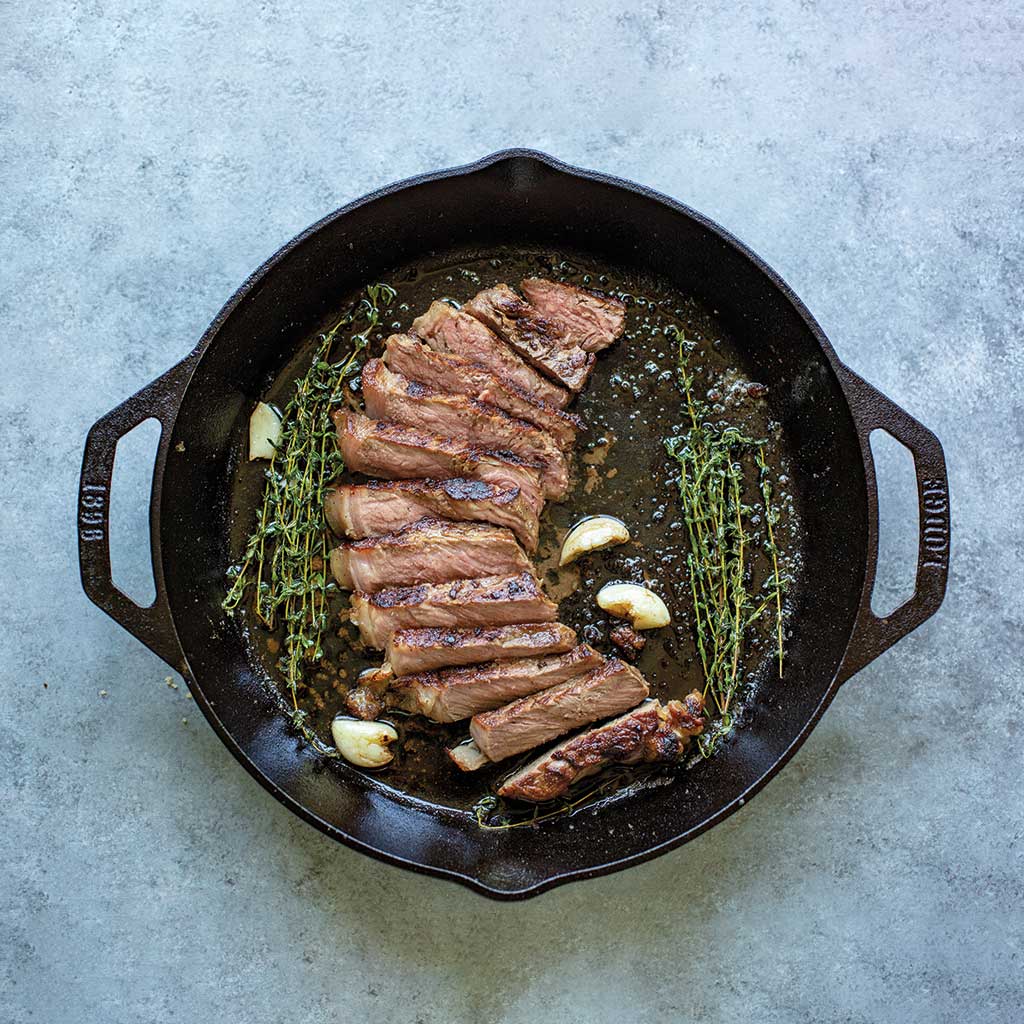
x=151 y=154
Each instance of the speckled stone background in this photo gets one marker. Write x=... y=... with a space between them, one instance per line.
x=151 y=154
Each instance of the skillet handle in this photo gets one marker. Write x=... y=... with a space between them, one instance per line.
x=873 y=635
x=158 y=400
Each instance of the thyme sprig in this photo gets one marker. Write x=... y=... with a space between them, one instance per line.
x=285 y=562
x=722 y=543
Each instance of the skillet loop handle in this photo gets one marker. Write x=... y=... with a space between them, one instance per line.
x=873 y=635
x=158 y=400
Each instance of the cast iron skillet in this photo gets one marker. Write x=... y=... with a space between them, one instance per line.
x=510 y=198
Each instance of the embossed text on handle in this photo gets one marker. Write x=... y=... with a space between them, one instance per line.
x=934 y=524
x=92 y=512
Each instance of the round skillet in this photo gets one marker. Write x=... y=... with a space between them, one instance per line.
x=512 y=199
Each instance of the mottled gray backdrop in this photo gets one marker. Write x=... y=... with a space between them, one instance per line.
x=151 y=154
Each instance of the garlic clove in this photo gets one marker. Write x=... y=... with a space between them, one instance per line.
x=643 y=608
x=592 y=534
x=366 y=744
x=264 y=431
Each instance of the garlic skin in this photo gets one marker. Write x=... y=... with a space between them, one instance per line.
x=592 y=534
x=264 y=432
x=643 y=608
x=365 y=744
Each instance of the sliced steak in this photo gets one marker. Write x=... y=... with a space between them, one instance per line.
x=428 y=551
x=491 y=601
x=445 y=371
x=451 y=330
x=590 y=320
x=608 y=690
x=540 y=341
x=421 y=650
x=395 y=452
x=456 y=693
x=383 y=506
x=392 y=397
x=651 y=732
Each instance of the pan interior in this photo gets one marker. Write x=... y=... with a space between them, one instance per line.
x=743 y=322
x=631 y=404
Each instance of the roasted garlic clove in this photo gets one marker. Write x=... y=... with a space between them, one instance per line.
x=643 y=607
x=264 y=431
x=592 y=534
x=366 y=744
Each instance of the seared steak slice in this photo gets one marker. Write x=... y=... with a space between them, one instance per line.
x=541 y=341
x=651 y=732
x=420 y=650
x=444 y=371
x=590 y=320
x=491 y=601
x=428 y=551
x=608 y=690
x=456 y=693
x=395 y=452
x=390 y=396
x=450 y=330
x=383 y=506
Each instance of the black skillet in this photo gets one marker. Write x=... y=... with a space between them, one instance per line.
x=526 y=199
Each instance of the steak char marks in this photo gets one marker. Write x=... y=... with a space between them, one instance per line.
x=394 y=452
x=589 y=319
x=490 y=601
x=444 y=371
x=384 y=506
x=428 y=551
x=452 y=694
x=411 y=651
x=538 y=339
x=607 y=690
x=394 y=398
x=651 y=733
x=450 y=330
